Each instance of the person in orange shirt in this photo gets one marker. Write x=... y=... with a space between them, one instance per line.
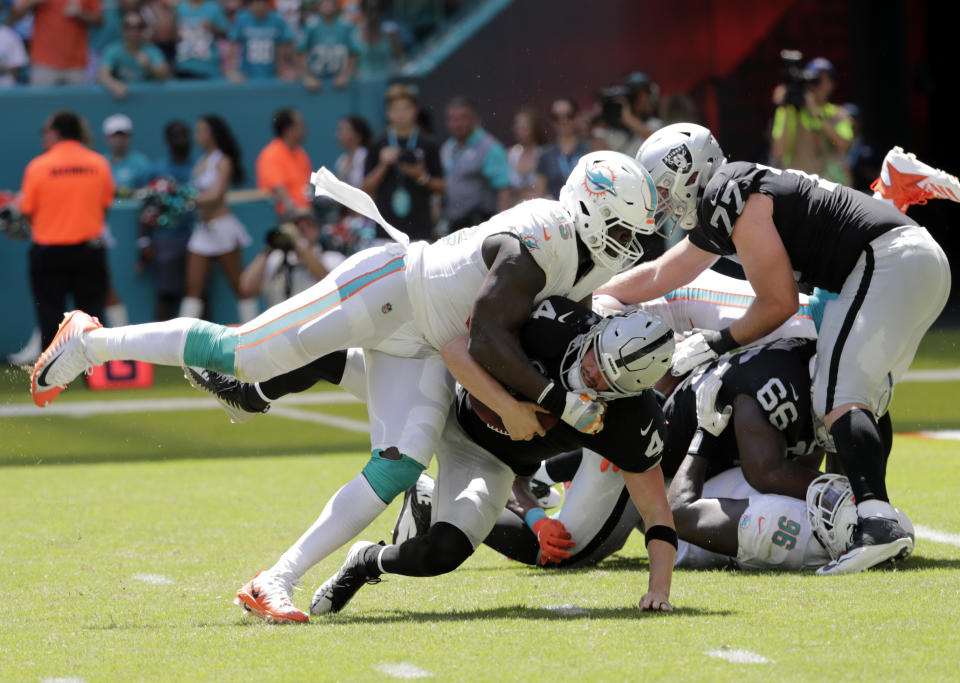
x=58 y=51
x=66 y=192
x=283 y=167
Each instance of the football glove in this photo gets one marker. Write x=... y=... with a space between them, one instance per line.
x=698 y=347
x=553 y=538
x=584 y=412
x=710 y=417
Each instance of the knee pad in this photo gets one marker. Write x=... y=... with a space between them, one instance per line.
x=211 y=346
x=389 y=477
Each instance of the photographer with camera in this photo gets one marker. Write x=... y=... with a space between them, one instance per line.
x=290 y=262
x=402 y=169
x=810 y=133
x=625 y=115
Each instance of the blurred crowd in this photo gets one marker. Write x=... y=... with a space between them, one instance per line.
x=321 y=43
x=427 y=179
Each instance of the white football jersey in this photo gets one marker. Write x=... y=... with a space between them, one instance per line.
x=713 y=301
x=443 y=278
x=773 y=532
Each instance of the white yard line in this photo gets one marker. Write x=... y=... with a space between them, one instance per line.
x=945 y=434
x=160 y=405
x=935 y=535
x=738 y=656
x=403 y=670
x=322 y=418
x=945 y=375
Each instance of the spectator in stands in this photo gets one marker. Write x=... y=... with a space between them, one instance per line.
x=217 y=234
x=403 y=167
x=261 y=43
x=283 y=167
x=326 y=48
x=66 y=192
x=377 y=47
x=199 y=24
x=353 y=136
x=13 y=56
x=132 y=59
x=161 y=18
x=164 y=242
x=559 y=157
x=524 y=156
x=815 y=136
x=178 y=164
x=639 y=117
x=131 y=169
x=290 y=262
x=58 y=51
x=475 y=166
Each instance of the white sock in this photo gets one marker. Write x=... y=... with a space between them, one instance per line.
x=191 y=307
x=116 y=315
x=876 y=508
x=161 y=343
x=347 y=513
x=248 y=309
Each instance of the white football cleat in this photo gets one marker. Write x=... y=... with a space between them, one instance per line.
x=64 y=359
x=905 y=180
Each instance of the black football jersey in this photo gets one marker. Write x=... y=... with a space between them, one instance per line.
x=776 y=374
x=634 y=428
x=824 y=226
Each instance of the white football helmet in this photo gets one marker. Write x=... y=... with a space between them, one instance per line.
x=681 y=159
x=606 y=190
x=632 y=351
x=832 y=512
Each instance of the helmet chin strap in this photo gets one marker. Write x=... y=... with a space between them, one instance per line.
x=574 y=378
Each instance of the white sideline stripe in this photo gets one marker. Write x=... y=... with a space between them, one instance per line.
x=155 y=579
x=156 y=405
x=739 y=656
x=568 y=610
x=948 y=375
x=403 y=670
x=946 y=434
x=66 y=679
x=928 y=534
x=320 y=418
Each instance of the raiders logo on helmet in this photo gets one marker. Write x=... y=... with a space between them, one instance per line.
x=678 y=159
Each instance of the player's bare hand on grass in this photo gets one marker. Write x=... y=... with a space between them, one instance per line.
x=522 y=424
x=655 y=602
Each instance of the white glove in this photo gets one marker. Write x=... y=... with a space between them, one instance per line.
x=709 y=417
x=584 y=412
x=691 y=351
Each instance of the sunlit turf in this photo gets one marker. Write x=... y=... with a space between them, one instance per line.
x=82 y=542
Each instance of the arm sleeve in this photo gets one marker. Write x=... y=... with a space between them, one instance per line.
x=28 y=188
x=268 y=173
x=496 y=168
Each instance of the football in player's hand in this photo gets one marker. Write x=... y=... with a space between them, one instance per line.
x=487 y=414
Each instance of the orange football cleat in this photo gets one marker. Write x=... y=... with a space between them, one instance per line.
x=267 y=596
x=64 y=359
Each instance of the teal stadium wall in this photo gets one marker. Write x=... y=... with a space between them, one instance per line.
x=247 y=109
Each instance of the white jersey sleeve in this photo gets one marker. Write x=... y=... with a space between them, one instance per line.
x=774 y=534
x=443 y=278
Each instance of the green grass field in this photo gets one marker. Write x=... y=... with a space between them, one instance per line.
x=125 y=536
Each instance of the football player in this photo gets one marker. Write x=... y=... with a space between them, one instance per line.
x=783 y=227
x=619 y=358
x=764 y=426
x=403 y=304
x=738 y=526
x=568 y=342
